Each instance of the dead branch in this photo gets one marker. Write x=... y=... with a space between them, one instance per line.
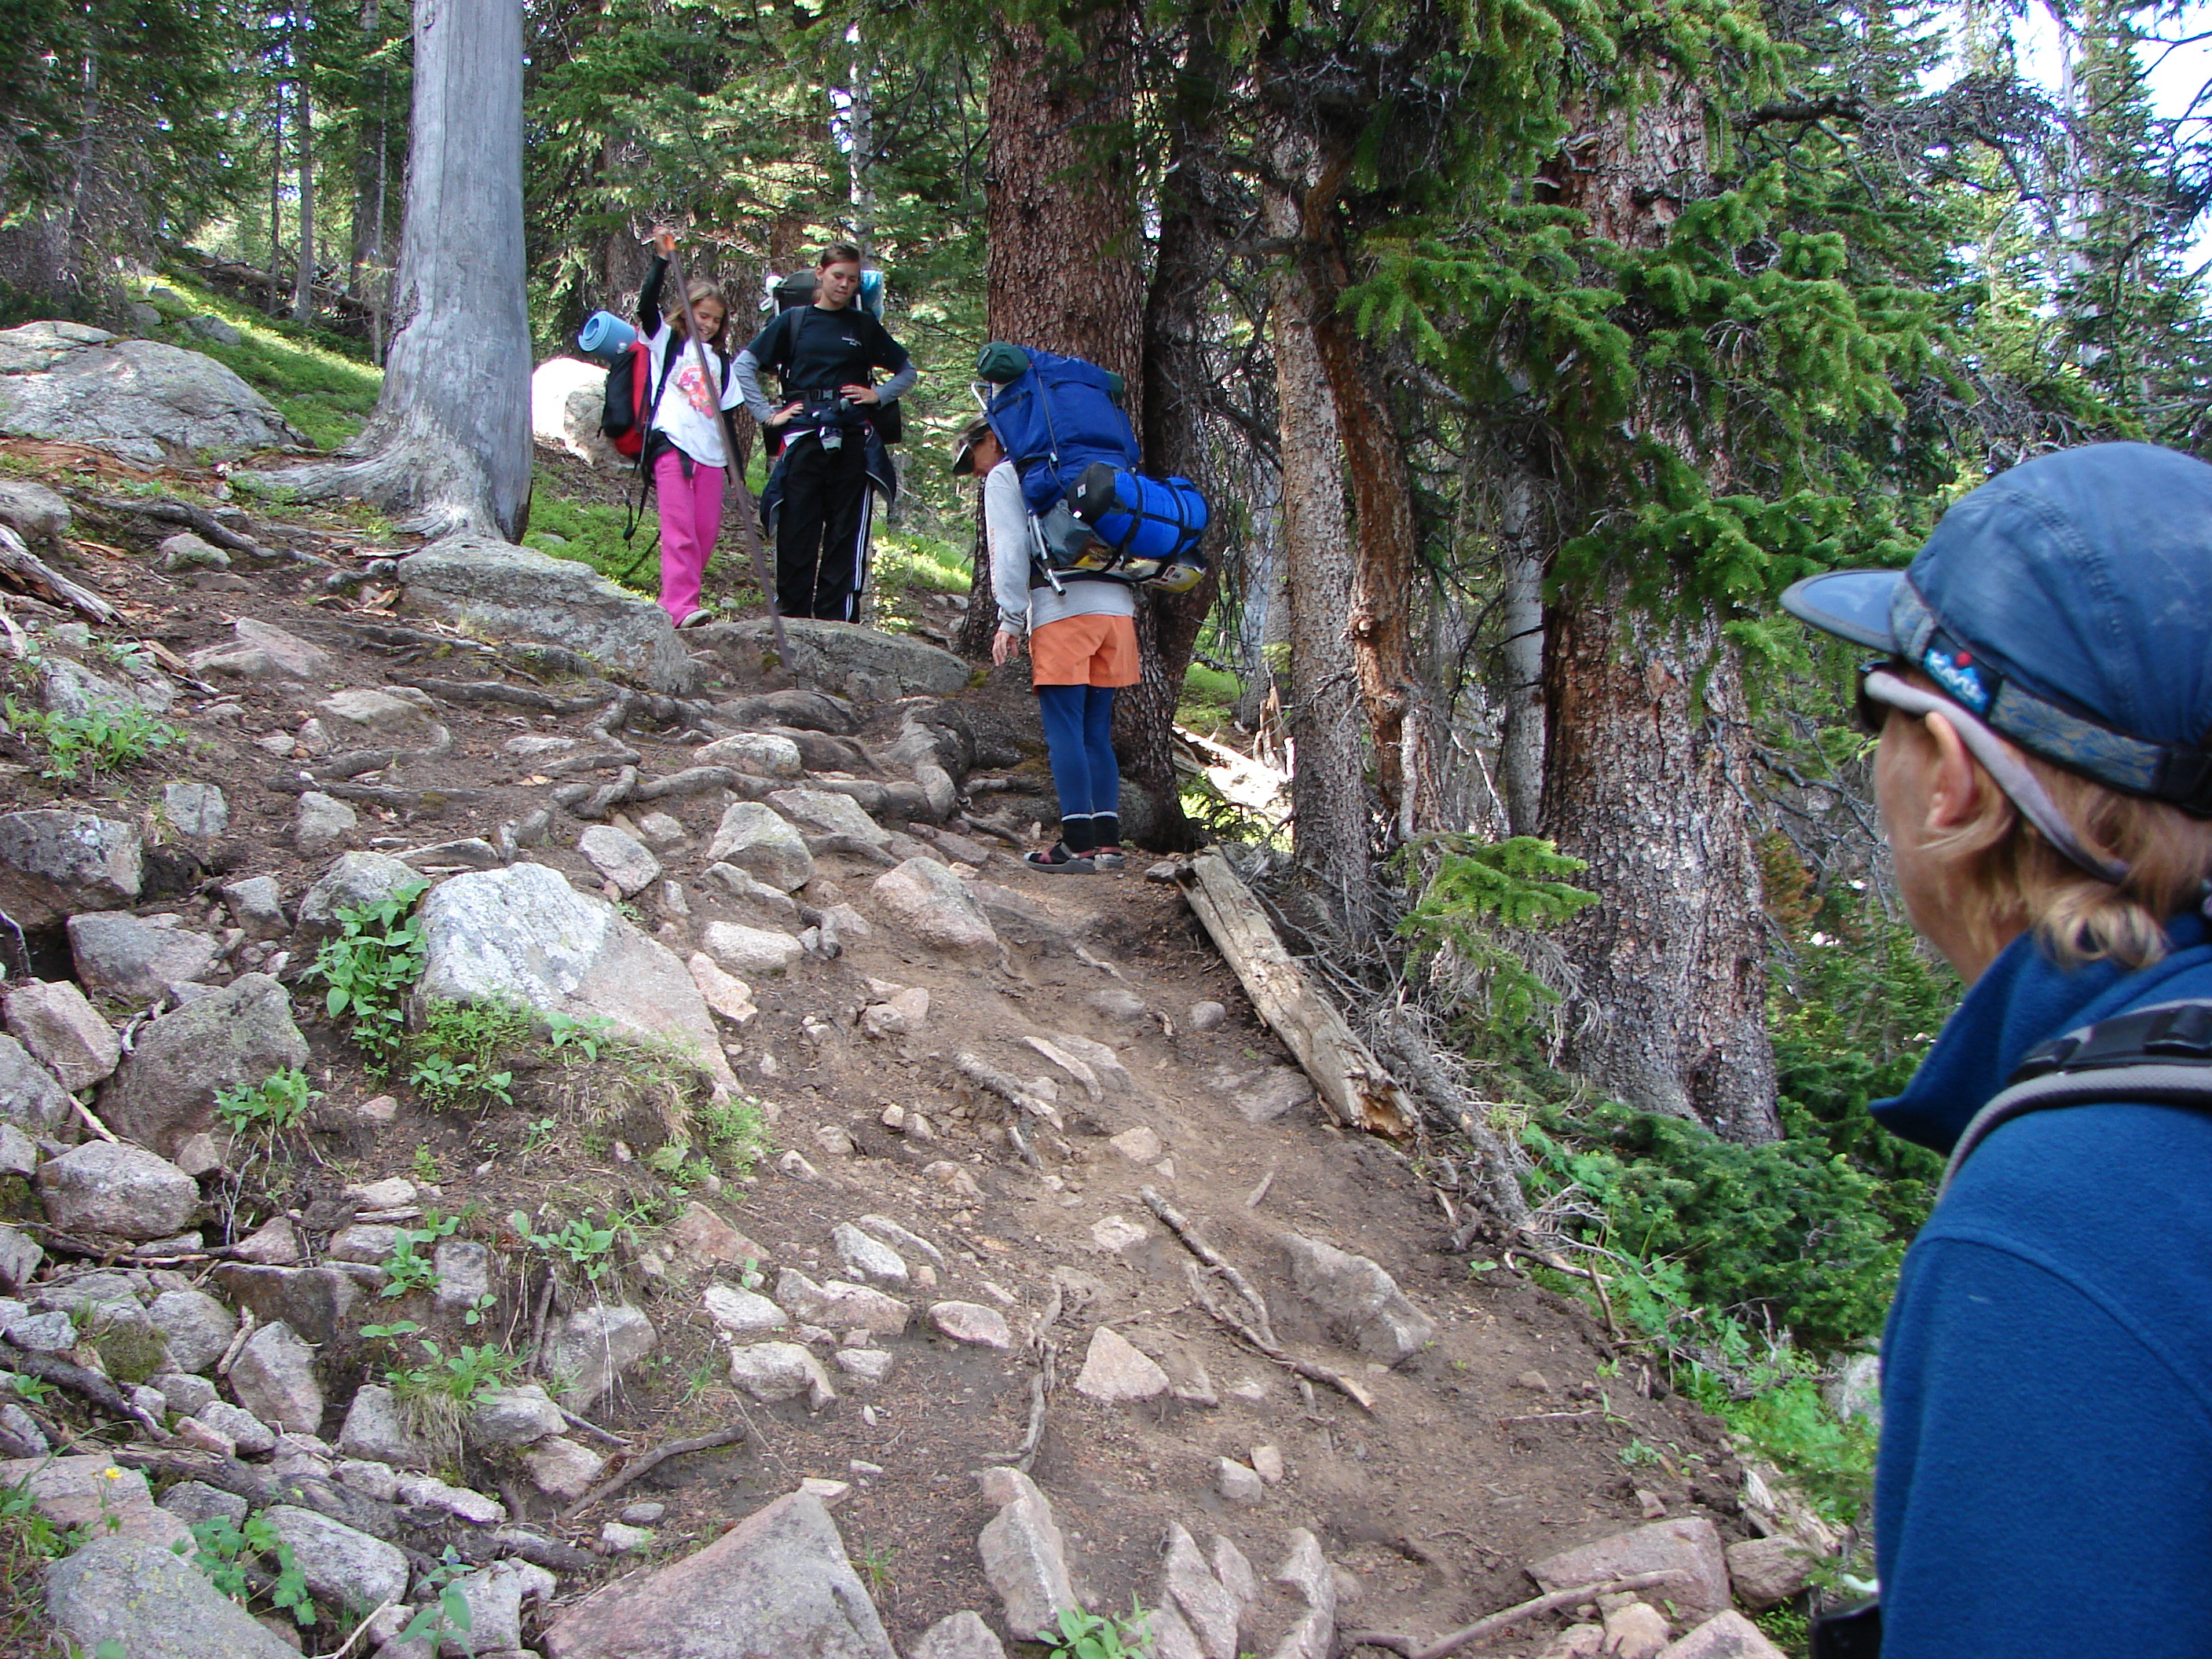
x=697 y=1443
x=1040 y=1384
x=605 y=1437
x=1482 y=1629
x=21 y=568
x=1252 y=1198
x=1359 y=1093
x=1181 y=1226
x=88 y=1385
x=981 y=1071
x=1350 y=1388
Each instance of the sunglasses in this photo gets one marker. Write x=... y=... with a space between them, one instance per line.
x=1869 y=712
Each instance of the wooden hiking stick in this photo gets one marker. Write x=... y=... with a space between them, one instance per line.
x=748 y=514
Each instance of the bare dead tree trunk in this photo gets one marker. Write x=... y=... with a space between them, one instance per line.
x=275 y=192
x=449 y=443
x=303 y=282
x=1646 y=751
x=1328 y=793
x=1521 y=745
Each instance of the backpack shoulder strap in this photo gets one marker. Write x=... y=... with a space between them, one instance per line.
x=2160 y=1056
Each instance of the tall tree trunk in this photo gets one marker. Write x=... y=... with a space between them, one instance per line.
x=275 y=195
x=449 y=443
x=303 y=284
x=367 y=134
x=1521 y=744
x=1645 y=750
x=1060 y=229
x=1328 y=793
x=860 y=122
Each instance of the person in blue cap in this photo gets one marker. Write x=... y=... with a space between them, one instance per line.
x=2043 y=685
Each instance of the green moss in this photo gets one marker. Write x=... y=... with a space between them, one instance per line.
x=131 y=1353
x=315 y=385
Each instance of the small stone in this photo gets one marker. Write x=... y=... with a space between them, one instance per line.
x=794 y=1165
x=1635 y=1631
x=700 y=1238
x=1237 y=1482
x=660 y=831
x=868 y=1259
x=1139 y=1145
x=561 y=1468
x=340 y=1564
x=838 y=1303
x=1267 y=1464
x=1115 y=1369
x=619 y=1539
x=750 y=952
x=1024 y=1557
x=257 y=906
x=1116 y=1233
x=946 y=1173
x=274 y=1377
x=184 y=1392
x=241 y=1428
x=1207 y=1015
x=1534 y=1382
x=321 y=823
x=1653 y=1507
x=116 y=1191
x=594 y=1346
x=1768 y=1571
x=503 y=1418
x=963 y=1635
x=460 y=1502
x=770 y=1371
x=974 y=1324
x=724 y=992
x=196 y=1500
x=869 y=1365
x=393 y=1193
x=53 y=1021
x=375 y=1480
x=753 y=838
x=742 y=1312
x=274 y=1243
x=374 y=1429
x=831 y=1492
x=621 y=858
x=1689 y=1544
x=205 y=1436
x=1359 y=1302
x=643 y=1515
x=834 y=1141
x=1577 y=1641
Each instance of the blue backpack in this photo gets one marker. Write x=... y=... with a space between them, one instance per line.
x=1060 y=422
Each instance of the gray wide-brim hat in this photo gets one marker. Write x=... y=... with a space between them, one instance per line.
x=2068 y=603
x=963 y=458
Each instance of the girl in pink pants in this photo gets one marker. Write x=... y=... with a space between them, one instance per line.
x=687 y=439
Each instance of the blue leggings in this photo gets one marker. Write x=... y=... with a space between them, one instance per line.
x=1078 y=725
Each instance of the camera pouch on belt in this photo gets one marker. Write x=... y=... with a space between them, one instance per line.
x=1852 y=1632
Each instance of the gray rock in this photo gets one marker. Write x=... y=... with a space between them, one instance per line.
x=1263 y=1095
x=370 y=1479
x=1361 y=1306
x=899 y=1238
x=1208 y=1015
x=262 y=651
x=1690 y=1546
x=321 y=823
x=643 y=1515
x=185 y=551
x=468 y=1506
x=375 y=1429
x=751 y=952
x=858 y=662
x=20 y=1256
x=743 y=884
x=742 y=1312
x=972 y=1323
x=19 y=1153
x=869 y=1365
x=777 y=1582
x=118 y=955
x=593 y=1347
x=463 y=1270
x=164 y=1092
x=1767 y=1572
x=1116 y=1370
x=826 y=812
x=868 y=1259
x=257 y=905
x=935 y=905
x=33 y=511
x=216 y=329
x=322 y=1304
x=1024 y=1557
x=42 y=1332
x=51 y=1018
x=354 y=881
x=68 y=687
x=186 y=1392
x=29 y=1097
x=1208 y=1608
x=150 y=1602
x=770 y=1371
x=514 y=592
x=142 y=317
x=566 y=398
x=494 y=1600
x=503 y=1419
x=757 y=840
x=143 y=400
x=620 y=857
x=377 y=715
x=1308 y=1571
x=340 y=1564
x=274 y=1377
x=196 y=1500
x=197 y=810
x=1237 y=1482
x=840 y=1305
x=240 y=1427
x=961 y=1635
x=197 y=1329
x=1728 y=1635
x=561 y=1468
x=762 y=753
x=116 y=1191
x=524 y=935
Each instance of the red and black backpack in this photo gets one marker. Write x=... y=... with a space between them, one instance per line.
x=627 y=414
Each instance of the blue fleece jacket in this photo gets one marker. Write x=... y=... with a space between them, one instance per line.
x=2044 y=1487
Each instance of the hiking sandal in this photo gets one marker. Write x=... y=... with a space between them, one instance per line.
x=1109 y=858
x=1058 y=860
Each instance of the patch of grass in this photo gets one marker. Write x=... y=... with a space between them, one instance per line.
x=735 y=1129
x=100 y=743
x=325 y=393
x=590 y=532
x=458 y=1050
x=909 y=560
x=1209 y=697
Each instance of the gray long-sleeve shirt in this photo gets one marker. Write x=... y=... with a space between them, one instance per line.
x=1022 y=608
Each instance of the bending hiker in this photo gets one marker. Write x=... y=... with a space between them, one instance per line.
x=2045 y=701
x=1082 y=644
x=825 y=355
x=686 y=444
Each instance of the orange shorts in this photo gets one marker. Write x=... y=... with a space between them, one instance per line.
x=1085 y=651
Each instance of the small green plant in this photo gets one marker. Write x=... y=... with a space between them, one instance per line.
x=222 y=1548
x=875 y=1565
x=277 y=1103
x=101 y=741
x=735 y=1128
x=455 y=1379
x=1091 y=1636
x=449 y=1611
x=406 y=1268
x=369 y=968
x=538 y=1136
x=425 y=1165
x=449 y=1083
x=586 y=1247
x=1637 y=1455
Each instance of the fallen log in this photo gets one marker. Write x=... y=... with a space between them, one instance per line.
x=1359 y=1092
x=22 y=569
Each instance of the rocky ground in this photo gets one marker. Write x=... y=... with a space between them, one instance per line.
x=860 y=1244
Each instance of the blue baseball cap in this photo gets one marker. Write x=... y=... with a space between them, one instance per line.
x=2068 y=603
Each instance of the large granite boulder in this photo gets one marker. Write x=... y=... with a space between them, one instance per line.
x=513 y=592
x=55 y=863
x=140 y=399
x=856 y=662
x=566 y=396
x=523 y=934
x=149 y=1600
x=164 y=1091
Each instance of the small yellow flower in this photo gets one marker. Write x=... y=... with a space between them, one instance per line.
x=110 y=1473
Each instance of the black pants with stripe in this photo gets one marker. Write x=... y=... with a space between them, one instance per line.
x=822 y=529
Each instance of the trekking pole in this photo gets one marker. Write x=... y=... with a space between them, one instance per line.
x=748 y=514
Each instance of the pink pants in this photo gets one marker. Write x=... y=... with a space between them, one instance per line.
x=691 y=519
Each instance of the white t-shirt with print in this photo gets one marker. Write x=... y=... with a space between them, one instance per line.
x=686 y=411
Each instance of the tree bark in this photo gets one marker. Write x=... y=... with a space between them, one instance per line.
x=1520 y=742
x=1060 y=229
x=449 y=443
x=1328 y=793
x=1645 y=747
